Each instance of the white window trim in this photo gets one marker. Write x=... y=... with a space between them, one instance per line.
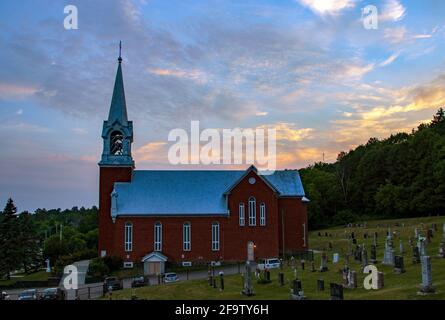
x=262 y=214
x=242 y=214
x=215 y=236
x=128 y=237
x=252 y=211
x=157 y=246
x=187 y=236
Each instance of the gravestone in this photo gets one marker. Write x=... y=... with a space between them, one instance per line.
x=320 y=285
x=422 y=246
x=388 y=256
x=248 y=287
x=313 y=266
x=399 y=266
x=401 y=248
x=297 y=292
x=281 y=278
x=442 y=244
x=267 y=275
x=351 y=279
x=375 y=238
x=429 y=235
x=364 y=257
x=427 y=281
x=336 y=291
x=358 y=254
x=345 y=273
x=221 y=278
x=324 y=262
x=335 y=258
x=354 y=241
x=434 y=226
x=380 y=280
x=410 y=242
x=416 y=255
x=416 y=233
x=373 y=254
x=330 y=245
x=302 y=264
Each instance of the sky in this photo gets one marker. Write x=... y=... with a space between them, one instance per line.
x=308 y=68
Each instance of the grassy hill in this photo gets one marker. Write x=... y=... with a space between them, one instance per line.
x=397 y=286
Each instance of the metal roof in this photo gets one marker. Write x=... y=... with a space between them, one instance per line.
x=189 y=192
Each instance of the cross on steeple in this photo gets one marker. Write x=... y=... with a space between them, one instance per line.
x=120 y=52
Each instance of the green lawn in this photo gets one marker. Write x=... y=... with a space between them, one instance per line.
x=403 y=286
x=35 y=276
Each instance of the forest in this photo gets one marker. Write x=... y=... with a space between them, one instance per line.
x=400 y=176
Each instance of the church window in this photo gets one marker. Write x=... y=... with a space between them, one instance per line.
x=158 y=237
x=252 y=211
x=128 y=236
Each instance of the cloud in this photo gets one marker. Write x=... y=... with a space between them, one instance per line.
x=327 y=7
x=152 y=152
x=390 y=60
x=195 y=74
x=79 y=131
x=393 y=10
x=12 y=91
x=24 y=127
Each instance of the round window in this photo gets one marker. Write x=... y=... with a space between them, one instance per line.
x=252 y=180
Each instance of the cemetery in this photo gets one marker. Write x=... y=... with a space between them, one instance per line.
x=408 y=255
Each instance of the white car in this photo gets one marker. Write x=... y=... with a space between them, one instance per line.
x=170 y=277
x=271 y=263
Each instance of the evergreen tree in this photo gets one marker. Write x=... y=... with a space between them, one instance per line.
x=10 y=245
x=30 y=244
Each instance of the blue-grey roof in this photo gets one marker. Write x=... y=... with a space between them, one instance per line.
x=187 y=192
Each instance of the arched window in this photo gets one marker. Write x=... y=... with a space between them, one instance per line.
x=186 y=236
x=215 y=236
x=241 y=214
x=262 y=214
x=252 y=211
x=116 y=143
x=128 y=236
x=158 y=237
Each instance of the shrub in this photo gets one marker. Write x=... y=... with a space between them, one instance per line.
x=113 y=262
x=98 y=268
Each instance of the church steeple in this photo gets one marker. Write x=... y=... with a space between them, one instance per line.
x=117 y=131
x=118 y=108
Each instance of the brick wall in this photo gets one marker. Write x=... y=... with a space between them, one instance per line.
x=233 y=238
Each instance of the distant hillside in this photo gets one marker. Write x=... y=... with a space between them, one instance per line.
x=401 y=176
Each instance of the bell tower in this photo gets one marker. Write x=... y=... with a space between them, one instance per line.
x=116 y=163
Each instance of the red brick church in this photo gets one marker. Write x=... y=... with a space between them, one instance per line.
x=191 y=216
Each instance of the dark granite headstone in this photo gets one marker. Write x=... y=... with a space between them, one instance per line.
x=336 y=291
x=320 y=285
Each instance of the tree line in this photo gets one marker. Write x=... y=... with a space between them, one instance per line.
x=61 y=236
x=400 y=176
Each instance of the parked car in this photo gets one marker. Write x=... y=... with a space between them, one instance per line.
x=170 y=277
x=138 y=282
x=271 y=263
x=30 y=294
x=112 y=283
x=52 y=294
x=4 y=296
